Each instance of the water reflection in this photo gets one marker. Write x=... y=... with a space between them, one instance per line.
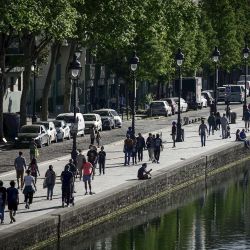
x=218 y=218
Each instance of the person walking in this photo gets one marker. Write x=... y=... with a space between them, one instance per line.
x=50 y=180
x=20 y=166
x=150 y=148
x=129 y=132
x=98 y=138
x=158 y=148
x=134 y=151
x=13 y=200
x=28 y=191
x=2 y=201
x=87 y=171
x=211 y=123
x=153 y=149
x=224 y=124
x=202 y=132
x=33 y=150
x=140 y=146
x=173 y=133
x=217 y=119
x=127 y=149
x=67 y=185
x=92 y=135
x=33 y=167
x=92 y=158
x=79 y=163
x=246 y=118
x=101 y=160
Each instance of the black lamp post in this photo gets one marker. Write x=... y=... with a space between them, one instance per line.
x=133 y=66
x=34 y=69
x=75 y=71
x=245 y=55
x=216 y=56
x=179 y=60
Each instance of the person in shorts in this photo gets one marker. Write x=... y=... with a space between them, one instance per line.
x=20 y=166
x=87 y=171
x=13 y=200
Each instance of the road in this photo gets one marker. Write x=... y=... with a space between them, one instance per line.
x=55 y=150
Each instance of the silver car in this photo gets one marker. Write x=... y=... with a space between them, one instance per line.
x=160 y=108
x=62 y=130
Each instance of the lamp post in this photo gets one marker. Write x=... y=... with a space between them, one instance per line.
x=245 y=55
x=216 y=55
x=179 y=60
x=133 y=66
x=75 y=71
x=34 y=69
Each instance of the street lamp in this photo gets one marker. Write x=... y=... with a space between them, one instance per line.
x=75 y=71
x=133 y=66
x=216 y=56
x=179 y=60
x=34 y=70
x=245 y=56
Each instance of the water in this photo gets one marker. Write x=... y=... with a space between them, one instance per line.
x=217 y=218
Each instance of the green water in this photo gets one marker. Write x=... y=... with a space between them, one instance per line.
x=218 y=218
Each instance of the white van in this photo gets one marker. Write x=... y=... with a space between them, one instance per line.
x=69 y=119
x=235 y=93
x=242 y=83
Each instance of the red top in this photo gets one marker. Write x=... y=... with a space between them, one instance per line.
x=87 y=168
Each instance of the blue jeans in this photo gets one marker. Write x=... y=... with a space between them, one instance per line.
x=50 y=189
x=127 y=157
x=2 y=212
x=203 y=139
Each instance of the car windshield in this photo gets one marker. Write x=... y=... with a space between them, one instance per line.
x=221 y=90
x=102 y=113
x=157 y=104
x=67 y=119
x=235 y=89
x=30 y=129
x=113 y=112
x=169 y=101
x=89 y=117
x=58 y=124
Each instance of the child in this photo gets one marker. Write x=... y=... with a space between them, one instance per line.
x=13 y=200
x=101 y=160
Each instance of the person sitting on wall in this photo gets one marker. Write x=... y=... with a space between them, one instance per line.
x=143 y=174
x=237 y=134
x=243 y=137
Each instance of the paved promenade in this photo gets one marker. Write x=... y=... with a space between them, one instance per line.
x=116 y=172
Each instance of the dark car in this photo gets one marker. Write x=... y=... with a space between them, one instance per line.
x=29 y=133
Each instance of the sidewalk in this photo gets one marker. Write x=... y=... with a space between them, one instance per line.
x=116 y=172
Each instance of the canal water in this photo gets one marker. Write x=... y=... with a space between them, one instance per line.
x=195 y=218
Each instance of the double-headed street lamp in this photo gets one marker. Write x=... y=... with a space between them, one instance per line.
x=75 y=72
x=34 y=69
x=179 y=60
x=133 y=66
x=216 y=56
x=245 y=55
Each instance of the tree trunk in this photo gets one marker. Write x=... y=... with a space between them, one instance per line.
x=28 y=45
x=67 y=86
x=55 y=49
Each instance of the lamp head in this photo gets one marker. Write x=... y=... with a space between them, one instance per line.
x=179 y=57
x=134 y=62
x=75 y=67
x=245 y=52
x=216 y=54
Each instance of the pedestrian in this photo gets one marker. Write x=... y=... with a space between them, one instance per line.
x=243 y=137
x=246 y=118
x=33 y=150
x=218 y=122
x=153 y=148
x=224 y=124
x=127 y=149
x=67 y=186
x=20 y=166
x=102 y=160
x=142 y=173
x=134 y=151
x=87 y=171
x=237 y=135
x=50 y=180
x=2 y=201
x=149 y=145
x=92 y=135
x=92 y=158
x=98 y=138
x=173 y=133
x=33 y=167
x=72 y=168
x=13 y=200
x=28 y=191
x=228 y=111
x=129 y=132
x=140 y=146
x=202 y=132
x=79 y=163
x=158 y=148
x=211 y=123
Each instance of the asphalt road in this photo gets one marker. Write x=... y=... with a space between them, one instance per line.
x=55 y=150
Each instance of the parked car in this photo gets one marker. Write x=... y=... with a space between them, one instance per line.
x=208 y=96
x=69 y=119
x=183 y=104
x=91 y=120
x=50 y=127
x=203 y=102
x=29 y=133
x=62 y=130
x=171 y=102
x=235 y=93
x=160 y=108
x=221 y=94
x=108 y=119
x=117 y=118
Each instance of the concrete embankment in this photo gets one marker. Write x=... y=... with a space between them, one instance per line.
x=118 y=200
